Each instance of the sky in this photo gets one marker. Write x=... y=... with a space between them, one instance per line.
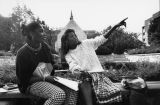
x=88 y=14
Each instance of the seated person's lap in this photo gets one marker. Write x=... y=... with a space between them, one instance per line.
x=45 y=90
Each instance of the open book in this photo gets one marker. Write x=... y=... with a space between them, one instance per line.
x=69 y=83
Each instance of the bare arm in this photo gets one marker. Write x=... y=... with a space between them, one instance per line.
x=114 y=27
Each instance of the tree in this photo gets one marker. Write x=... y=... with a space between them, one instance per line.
x=49 y=34
x=6 y=37
x=119 y=42
x=91 y=33
x=10 y=29
x=21 y=14
x=154 y=32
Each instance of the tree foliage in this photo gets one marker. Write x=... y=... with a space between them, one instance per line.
x=21 y=15
x=6 y=37
x=10 y=33
x=154 y=32
x=119 y=42
x=10 y=28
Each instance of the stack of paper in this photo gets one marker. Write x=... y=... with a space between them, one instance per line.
x=3 y=90
x=69 y=83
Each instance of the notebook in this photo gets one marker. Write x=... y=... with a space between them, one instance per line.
x=69 y=83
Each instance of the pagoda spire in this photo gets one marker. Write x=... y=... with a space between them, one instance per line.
x=71 y=18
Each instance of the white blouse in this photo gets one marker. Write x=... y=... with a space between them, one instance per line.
x=84 y=56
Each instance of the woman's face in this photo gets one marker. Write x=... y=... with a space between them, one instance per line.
x=72 y=40
x=37 y=35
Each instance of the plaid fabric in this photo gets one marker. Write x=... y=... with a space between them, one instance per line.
x=105 y=90
x=53 y=94
x=71 y=96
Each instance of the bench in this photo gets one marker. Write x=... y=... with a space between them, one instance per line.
x=14 y=97
x=153 y=86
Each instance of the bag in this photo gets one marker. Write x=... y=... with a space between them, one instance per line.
x=137 y=83
x=43 y=70
x=85 y=93
x=105 y=90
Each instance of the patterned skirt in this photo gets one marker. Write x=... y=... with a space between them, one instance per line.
x=105 y=91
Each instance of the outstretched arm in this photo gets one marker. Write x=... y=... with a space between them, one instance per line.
x=99 y=40
x=114 y=27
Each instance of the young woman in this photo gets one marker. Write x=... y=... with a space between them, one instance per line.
x=81 y=56
x=28 y=58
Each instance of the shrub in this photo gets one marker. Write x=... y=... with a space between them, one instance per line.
x=147 y=70
x=103 y=50
x=119 y=42
x=3 y=53
x=7 y=74
x=146 y=50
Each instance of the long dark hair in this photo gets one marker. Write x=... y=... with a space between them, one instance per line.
x=64 y=42
x=31 y=27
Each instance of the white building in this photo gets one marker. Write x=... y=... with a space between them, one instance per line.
x=145 y=31
x=146 y=27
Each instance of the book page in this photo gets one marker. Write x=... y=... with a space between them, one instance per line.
x=69 y=83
